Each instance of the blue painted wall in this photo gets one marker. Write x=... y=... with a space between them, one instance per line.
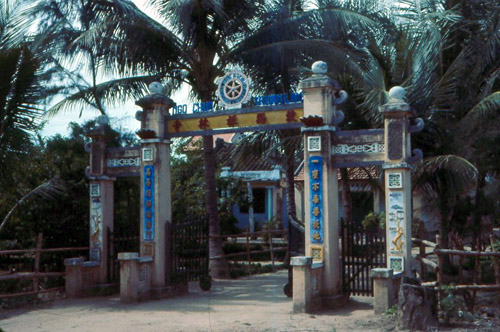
x=259 y=218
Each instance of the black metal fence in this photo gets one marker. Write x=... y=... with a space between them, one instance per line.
x=189 y=258
x=119 y=243
x=362 y=250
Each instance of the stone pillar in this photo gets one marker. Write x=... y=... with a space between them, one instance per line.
x=129 y=276
x=383 y=290
x=155 y=181
x=321 y=93
x=398 y=203
x=101 y=197
x=73 y=279
x=302 y=284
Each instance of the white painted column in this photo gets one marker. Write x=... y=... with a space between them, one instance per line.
x=398 y=204
x=320 y=178
x=156 y=210
x=101 y=190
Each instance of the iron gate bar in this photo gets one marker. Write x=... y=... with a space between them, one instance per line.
x=189 y=251
x=361 y=251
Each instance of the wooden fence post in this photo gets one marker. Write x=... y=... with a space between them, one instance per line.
x=271 y=245
x=496 y=265
x=440 y=261
x=36 y=267
x=423 y=268
x=248 y=251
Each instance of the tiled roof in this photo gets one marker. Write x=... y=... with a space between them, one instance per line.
x=355 y=173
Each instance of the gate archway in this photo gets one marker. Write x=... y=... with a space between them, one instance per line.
x=150 y=271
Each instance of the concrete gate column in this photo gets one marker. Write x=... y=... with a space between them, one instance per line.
x=398 y=199
x=155 y=183
x=321 y=93
x=101 y=200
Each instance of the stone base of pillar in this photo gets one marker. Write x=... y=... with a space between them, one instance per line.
x=82 y=278
x=385 y=289
x=307 y=292
x=334 y=302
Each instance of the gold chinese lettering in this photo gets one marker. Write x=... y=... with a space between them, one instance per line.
x=316 y=211
x=315 y=174
x=315 y=199
x=316 y=224
x=316 y=236
x=315 y=186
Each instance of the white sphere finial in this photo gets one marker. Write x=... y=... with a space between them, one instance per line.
x=319 y=67
x=397 y=93
x=155 y=88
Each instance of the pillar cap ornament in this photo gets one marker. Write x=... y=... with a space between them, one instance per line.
x=397 y=94
x=319 y=78
x=319 y=67
x=396 y=104
x=155 y=88
x=155 y=98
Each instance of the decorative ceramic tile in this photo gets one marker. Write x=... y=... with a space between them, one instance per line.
x=343 y=149
x=95 y=255
x=317 y=253
x=95 y=190
x=316 y=197
x=395 y=180
x=148 y=154
x=96 y=222
x=314 y=143
x=123 y=162
x=147 y=250
x=149 y=202
x=396 y=220
x=396 y=264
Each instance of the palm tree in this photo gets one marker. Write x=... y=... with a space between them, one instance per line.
x=21 y=90
x=451 y=68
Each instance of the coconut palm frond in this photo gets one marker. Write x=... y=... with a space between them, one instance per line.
x=449 y=173
x=50 y=189
x=111 y=92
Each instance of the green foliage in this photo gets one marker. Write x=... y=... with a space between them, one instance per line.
x=188 y=194
x=453 y=307
x=393 y=311
x=374 y=221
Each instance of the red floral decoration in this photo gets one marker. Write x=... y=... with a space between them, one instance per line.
x=261 y=118
x=290 y=116
x=232 y=120
x=177 y=125
x=204 y=123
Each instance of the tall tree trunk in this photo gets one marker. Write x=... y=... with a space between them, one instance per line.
x=290 y=188
x=346 y=195
x=219 y=268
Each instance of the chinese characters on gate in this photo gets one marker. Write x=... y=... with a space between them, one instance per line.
x=316 y=231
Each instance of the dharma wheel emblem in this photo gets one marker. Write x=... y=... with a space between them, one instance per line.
x=233 y=88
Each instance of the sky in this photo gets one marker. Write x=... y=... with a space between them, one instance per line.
x=120 y=117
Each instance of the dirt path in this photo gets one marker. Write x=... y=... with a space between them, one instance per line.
x=255 y=303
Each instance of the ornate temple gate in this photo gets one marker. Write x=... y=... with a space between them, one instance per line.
x=362 y=251
x=165 y=248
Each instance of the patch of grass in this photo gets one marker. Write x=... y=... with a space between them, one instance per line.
x=392 y=310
